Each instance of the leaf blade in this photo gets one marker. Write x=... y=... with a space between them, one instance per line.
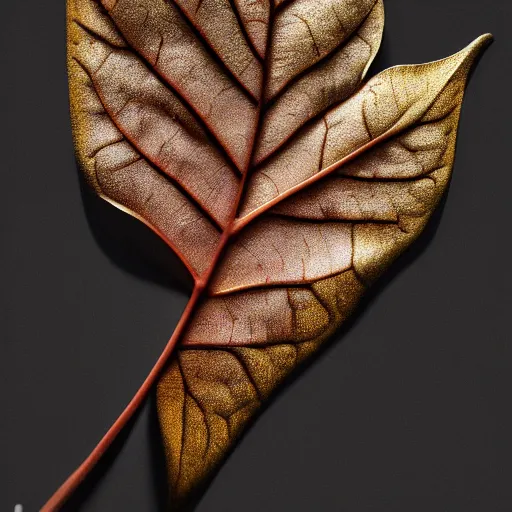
x=172 y=126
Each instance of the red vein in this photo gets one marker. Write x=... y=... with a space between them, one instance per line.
x=243 y=221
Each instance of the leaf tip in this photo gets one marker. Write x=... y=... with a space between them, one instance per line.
x=474 y=49
x=462 y=62
x=482 y=42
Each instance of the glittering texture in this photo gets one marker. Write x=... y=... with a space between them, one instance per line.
x=241 y=133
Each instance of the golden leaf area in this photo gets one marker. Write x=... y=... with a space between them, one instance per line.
x=243 y=134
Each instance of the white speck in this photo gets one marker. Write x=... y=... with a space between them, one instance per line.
x=18 y=508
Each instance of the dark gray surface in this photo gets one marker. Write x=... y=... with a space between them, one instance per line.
x=409 y=411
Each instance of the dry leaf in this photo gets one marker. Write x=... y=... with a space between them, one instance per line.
x=240 y=133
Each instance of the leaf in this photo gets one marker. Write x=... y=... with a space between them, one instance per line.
x=240 y=133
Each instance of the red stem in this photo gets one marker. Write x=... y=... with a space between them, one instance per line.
x=68 y=487
x=73 y=481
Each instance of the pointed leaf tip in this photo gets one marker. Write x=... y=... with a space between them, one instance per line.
x=463 y=60
x=483 y=41
x=478 y=46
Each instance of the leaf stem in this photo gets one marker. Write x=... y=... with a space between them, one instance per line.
x=73 y=481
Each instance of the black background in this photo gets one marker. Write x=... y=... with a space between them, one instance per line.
x=410 y=410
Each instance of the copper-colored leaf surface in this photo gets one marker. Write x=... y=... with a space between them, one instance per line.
x=241 y=133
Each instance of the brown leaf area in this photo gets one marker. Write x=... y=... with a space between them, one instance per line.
x=240 y=132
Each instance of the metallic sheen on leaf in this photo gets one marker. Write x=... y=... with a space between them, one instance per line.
x=241 y=132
